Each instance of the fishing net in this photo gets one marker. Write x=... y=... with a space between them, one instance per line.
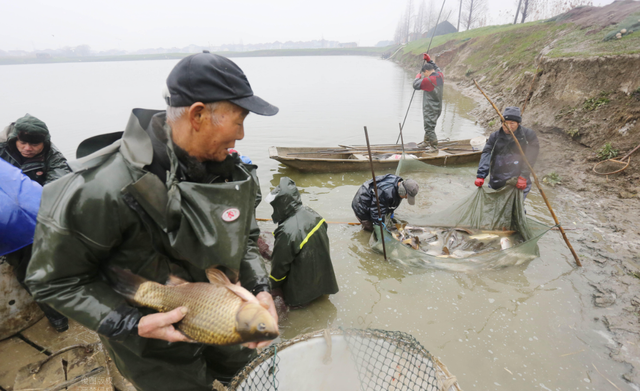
x=629 y=25
x=465 y=229
x=611 y=166
x=346 y=359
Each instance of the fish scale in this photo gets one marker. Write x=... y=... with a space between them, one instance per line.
x=214 y=320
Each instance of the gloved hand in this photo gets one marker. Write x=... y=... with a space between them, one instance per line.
x=426 y=57
x=479 y=182
x=419 y=75
x=522 y=183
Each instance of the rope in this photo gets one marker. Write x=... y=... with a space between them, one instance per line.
x=275 y=354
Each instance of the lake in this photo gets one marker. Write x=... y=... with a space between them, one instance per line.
x=529 y=327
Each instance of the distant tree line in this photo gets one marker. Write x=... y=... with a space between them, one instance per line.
x=420 y=16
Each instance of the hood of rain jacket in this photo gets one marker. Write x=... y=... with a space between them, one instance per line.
x=43 y=168
x=301 y=260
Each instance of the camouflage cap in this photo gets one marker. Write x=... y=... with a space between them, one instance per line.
x=30 y=130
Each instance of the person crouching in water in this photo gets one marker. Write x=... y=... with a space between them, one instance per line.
x=392 y=189
x=502 y=158
x=301 y=269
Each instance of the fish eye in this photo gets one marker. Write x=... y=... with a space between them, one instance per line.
x=262 y=327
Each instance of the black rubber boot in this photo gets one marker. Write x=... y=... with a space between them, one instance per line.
x=57 y=320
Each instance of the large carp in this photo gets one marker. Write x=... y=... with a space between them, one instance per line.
x=219 y=312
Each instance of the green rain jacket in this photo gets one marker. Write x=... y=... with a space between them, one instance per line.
x=112 y=211
x=44 y=168
x=301 y=260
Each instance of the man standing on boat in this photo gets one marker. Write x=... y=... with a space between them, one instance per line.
x=501 y=157
x=392 y=189
x=431 y=81
x=166 y=199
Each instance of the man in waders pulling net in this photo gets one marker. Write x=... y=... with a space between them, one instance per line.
x=392 y=189
x=431 y=81
x=501 y=156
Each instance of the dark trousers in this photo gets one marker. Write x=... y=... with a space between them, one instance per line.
x=19 y=260
x=367 y=225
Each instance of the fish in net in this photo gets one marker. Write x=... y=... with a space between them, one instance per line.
x=467 y=228
x=345 y=359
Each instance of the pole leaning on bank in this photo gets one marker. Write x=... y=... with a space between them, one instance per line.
x=535 y=178
x=375 y=191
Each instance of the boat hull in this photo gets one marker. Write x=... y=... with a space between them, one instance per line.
x=314 y=160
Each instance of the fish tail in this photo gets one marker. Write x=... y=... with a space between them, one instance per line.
x=126 y=283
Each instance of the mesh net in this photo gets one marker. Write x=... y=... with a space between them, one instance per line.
x=472 y=229
x=346 y=359
x=628 y=26
x=609 y=167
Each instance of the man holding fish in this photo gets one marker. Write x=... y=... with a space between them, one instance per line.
x=164 y=218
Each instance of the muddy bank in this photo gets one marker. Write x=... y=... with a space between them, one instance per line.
x=576 y=105
x=608 y=241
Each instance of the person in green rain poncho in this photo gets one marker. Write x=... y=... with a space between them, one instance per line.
x=301 y=260
x=165 y=199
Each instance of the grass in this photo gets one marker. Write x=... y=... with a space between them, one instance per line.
x=595 y=103
x=552 y=179
x=573 y=133
x=519 y=44
x=607 y=152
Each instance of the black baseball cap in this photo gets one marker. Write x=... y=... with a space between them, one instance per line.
x=208 y=78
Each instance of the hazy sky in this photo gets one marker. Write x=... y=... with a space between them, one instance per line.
x=139 y=24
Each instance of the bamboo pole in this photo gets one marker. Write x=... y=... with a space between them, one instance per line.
x=401 y=138
x=375 y=191
x=328 y=222
x=535 y=178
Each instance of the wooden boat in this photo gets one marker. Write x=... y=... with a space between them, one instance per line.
x=356 y=158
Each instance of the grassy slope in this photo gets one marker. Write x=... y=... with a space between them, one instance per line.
x=518 y=45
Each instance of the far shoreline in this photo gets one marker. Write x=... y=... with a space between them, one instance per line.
x=364 y=51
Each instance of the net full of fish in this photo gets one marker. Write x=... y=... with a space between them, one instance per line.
x=219 y=312
x=454 y=242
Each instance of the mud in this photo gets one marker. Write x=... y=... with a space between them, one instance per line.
x=577 y=104
x=603 y=211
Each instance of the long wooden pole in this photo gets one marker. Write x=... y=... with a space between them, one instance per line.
x=401 y=137
x=375 y=191
x=535 y=178
x=435 y=29
x=328 y=222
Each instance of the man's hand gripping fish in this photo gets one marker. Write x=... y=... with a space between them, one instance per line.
x=219 y=312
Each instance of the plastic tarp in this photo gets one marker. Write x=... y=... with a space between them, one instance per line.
x=480 y=209
x=19 y=204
